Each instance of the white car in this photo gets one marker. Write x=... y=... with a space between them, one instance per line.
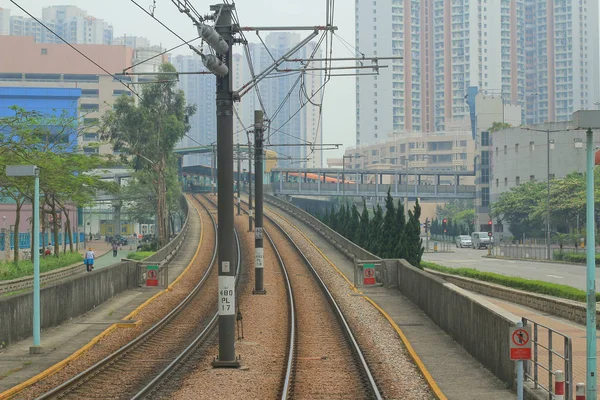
x=463 y=241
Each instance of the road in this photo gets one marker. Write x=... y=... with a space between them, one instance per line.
x=566 y=274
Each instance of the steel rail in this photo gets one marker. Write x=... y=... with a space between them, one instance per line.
x=82 y=377
x=355 y=347
x=170 y=369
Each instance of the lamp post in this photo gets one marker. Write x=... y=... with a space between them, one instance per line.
x=548 y=132
x=588 y=120
x=21 y=171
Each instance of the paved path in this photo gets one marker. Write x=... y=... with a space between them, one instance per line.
x=458 y=375
x=16 y=365
x=566 y=274
x=572 y=329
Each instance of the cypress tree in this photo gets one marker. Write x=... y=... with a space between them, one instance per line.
x=389 y=229
x=353 y=224
x=375 y=231
x=414 y=243
x=399 y=233
x=363 y=228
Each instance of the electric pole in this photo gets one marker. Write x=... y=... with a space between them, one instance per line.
x=258 y=231
x=239 y=179
x=220 y=66
x=212 y=171
x=249 y=187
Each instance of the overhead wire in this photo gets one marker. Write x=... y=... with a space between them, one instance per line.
x=75 y=48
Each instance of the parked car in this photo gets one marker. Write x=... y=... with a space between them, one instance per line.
x=121 y=241
x=480 y=240
x=463 y=241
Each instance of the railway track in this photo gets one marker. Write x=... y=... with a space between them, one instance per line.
x=323 y=359
x=138 y=369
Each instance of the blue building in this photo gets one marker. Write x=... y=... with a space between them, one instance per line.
x=52 y=102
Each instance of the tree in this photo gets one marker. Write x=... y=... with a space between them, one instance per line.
x=146 y=133
x=499 y=126
x=354 y=224
x=517 y=207
x=389 y=229
x=363 y=230
x=414 y=243
x=375 y=230
x=399 y=232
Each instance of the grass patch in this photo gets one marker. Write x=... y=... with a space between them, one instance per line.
x=529 y=285
x=10 y=270
x=139 y=255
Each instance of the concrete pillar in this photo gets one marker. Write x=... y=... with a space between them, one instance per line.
x=338 y=183
x=396 y=181
x=376 y=187
x=318 y=181
x=362 y=179
x=7 y=252
x=381 y=179
x=455 y=184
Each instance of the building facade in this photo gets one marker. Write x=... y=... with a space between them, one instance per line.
x=71 y=23
x=49 y=65
x=500 y=47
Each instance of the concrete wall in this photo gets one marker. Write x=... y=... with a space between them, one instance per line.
x=64 y=300
x=479 y=326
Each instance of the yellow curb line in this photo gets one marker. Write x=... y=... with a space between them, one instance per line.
x=413 y=354
x=61 y=364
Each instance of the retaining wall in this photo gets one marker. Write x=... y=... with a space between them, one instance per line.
x=71 y=297
x=569 y=309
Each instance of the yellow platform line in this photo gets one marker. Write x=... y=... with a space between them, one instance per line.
x=411 y=351
x=61 y=364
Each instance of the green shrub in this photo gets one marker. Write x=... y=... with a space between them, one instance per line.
x=534 y=286
x=573 y=257
x=140 y=255
x=10 y=270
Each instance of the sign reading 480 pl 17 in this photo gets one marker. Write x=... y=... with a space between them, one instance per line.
x=226 y=295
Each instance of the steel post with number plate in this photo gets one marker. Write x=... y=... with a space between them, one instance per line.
x=225 y=236
x=259 y=287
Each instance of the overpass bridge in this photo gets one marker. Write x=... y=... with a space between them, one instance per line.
x=422 y=184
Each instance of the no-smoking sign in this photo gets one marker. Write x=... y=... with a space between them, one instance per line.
x=520 y=343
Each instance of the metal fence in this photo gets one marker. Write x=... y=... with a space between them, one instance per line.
x=25 y=239
x=552 y=350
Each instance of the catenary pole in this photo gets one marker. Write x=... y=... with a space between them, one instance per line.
x=250 y=216
x=226 y=291
x=590 y=246
x=258 y=230
x=239 y=178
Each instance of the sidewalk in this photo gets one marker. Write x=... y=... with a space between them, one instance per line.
x=17 y=365
x=575 y=331
x=458 y=375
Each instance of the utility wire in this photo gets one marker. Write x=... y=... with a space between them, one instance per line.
x=75 y=48
x=164 y=52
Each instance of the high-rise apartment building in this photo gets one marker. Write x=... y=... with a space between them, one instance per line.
x=71 y=23
x=501 y=47
x=562 y=59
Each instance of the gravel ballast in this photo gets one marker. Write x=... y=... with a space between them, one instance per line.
x=396 y=374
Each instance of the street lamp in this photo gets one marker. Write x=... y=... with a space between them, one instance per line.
x=32 y=170
x=548 y=132
x=588 y=120
x=350 y=156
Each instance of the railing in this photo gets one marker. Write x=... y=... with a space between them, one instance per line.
x=522 y=251
x=540 y=370
x=25 y=239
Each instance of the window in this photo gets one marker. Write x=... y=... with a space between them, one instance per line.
x=463 y=143
x=90 y=121
x=505 y=149
x=531 y=146
x=497 y=182
x=392 y=149
x=90 y=136
x=485 y=175
x=505 y=182
x=90 y=93
x=496 y=151
x=374 y=152
x=485 y=158
x=531 y=178
x=90 y=150
x=516 y=147
x=44 y=52
x=485 y=138
x=90 y=107
x=117 y=92
x=485 y=197
x=518 y=180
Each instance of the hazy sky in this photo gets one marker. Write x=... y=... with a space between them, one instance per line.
x=339 y=106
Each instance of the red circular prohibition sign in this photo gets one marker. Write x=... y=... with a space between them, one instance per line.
x=152 y=274
x=520 y=337
x=369 y=272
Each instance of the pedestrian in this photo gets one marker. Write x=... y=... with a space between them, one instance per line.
x=90 y=236
x=115 y=248
x=89 y=260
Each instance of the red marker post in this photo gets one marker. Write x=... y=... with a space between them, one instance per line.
x=559 y=385
x=580 y=391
